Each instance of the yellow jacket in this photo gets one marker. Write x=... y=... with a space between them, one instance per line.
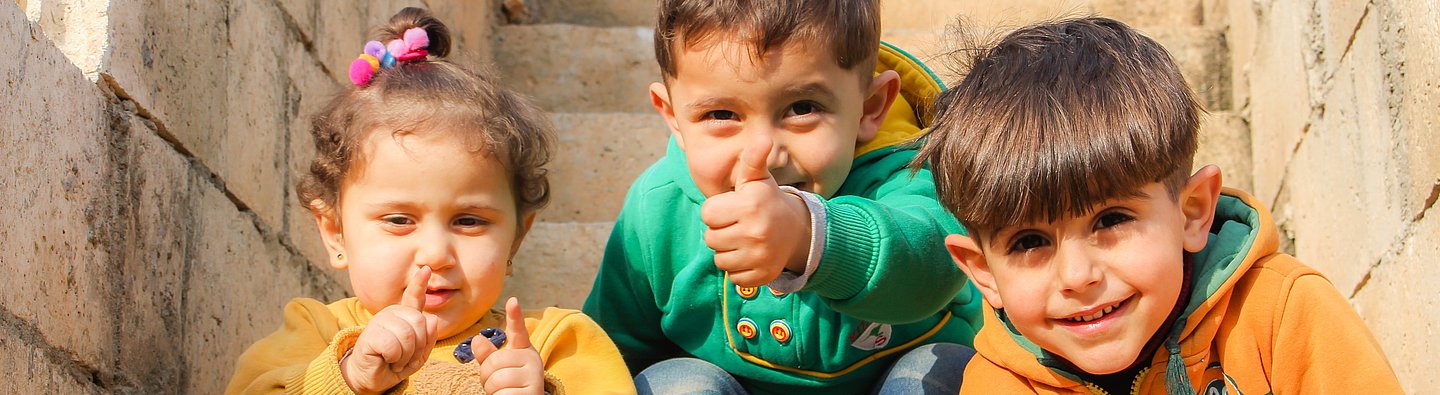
x=1258 y=322
x=303 y=356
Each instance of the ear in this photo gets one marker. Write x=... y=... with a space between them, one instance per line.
x=526 y=222
x=881 y=93
x=330 y=234
x=971 y=260
x=1197 y=202
x=660 y=99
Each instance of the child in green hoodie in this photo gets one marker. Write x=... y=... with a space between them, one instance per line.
x=781 y=245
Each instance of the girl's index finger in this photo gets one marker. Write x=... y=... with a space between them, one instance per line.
x=414 y=296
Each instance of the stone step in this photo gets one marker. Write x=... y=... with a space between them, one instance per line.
x=911 y=14
x=557 y=264
x=1201 y=53
x=592 y=12
x=570 y=68
x=937 y=14
x=597 y=157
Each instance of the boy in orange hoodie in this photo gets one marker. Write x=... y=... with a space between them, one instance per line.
x=1108 y=267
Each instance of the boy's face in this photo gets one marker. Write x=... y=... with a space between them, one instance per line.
x=426 y=203
x=1094 y=288
x=813 y=111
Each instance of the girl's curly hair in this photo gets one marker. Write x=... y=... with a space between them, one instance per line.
x=429 y=96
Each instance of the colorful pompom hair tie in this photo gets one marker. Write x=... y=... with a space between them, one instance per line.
x=411 y=47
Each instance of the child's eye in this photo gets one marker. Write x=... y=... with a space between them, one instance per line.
x=1111 y=219
x=722 y=115
x=802 y=108
x=470 y=222
x=1028 y=242
x=398 y=220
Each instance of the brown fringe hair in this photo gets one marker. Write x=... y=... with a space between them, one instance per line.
x=1057 y=118
x=850 y=27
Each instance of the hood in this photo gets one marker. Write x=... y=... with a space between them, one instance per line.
x=909 y=115
x=1241 y=234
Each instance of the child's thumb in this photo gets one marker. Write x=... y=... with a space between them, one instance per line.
x=519 y=336
x=753 y=163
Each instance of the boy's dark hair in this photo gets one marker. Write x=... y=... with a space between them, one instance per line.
x=1056 y=118
x=850 y=27
x=435 y=96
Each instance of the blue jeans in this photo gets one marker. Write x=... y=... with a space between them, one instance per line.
x=930 y=369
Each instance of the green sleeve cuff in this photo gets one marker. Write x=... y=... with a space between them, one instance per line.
x=851 y=247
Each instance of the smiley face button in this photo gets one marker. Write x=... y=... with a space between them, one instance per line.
x=780 y=331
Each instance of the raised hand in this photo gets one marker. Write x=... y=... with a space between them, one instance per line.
x=757 y=230
x=515 y=368
x=395 y=343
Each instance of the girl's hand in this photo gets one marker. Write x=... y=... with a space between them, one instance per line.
x=516 y=368
x=395 y=343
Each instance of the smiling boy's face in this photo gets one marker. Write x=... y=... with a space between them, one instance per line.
x=1093 y=288
x=814 y=112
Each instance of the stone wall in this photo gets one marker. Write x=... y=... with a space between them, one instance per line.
x=151 y=147
x=1341 y=99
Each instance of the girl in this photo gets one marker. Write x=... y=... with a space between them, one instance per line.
x=427 y=178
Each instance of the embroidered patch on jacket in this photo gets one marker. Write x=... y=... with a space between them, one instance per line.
x=870 y=336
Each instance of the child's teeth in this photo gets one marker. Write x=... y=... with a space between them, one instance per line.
x=1095 y=316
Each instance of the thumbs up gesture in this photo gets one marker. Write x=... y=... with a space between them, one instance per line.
x=757 y=230
x=515 y=368
x=395 y=343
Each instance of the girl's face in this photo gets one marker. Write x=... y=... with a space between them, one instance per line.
x=423 y=200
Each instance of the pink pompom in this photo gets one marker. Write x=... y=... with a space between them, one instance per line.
x=361 y=71
x=397 y=48
x=417 y=39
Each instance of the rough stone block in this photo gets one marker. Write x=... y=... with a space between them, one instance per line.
x=1151 y=13
x=472 y=30
x=593 y=13
x=341 y=29
x=1345 y=202
x=1411 y=54
x=1280 y=99
x=1340 y=19
x=155 y=250
x=557 y=264
x=1400 y=305
x=937 y=14
x=1203 y=59
x=57 y=185
x=249 y=154
x=310 y=89
x=170 y=58
x=37 y=370
x=1241 y=38
x=1225 y=142
x=596 y=159
x=239 y=280
x=568 y=68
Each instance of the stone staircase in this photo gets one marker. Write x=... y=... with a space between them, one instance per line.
x=589 y=63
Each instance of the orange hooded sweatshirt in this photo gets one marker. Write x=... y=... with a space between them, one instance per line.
x=1258 y=322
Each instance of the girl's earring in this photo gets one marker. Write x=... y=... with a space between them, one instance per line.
x=340 y=256
x=509 y=267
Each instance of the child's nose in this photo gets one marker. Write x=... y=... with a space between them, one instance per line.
x=435 y=250
x=1077 y=270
